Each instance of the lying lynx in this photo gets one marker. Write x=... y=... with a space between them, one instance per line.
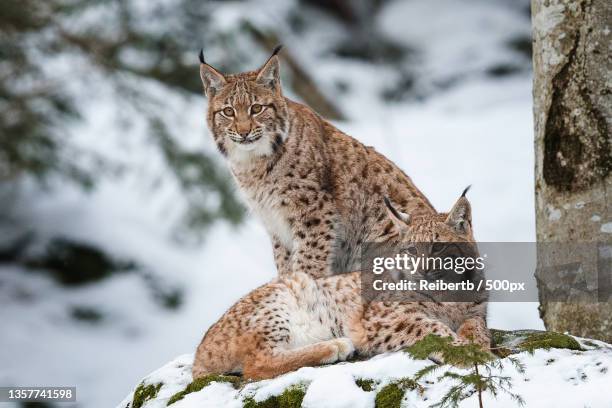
x=298 y=321
x=318 y=191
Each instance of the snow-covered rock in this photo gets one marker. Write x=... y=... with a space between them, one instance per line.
x=560 y=371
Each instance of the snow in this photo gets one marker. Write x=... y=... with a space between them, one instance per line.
x=475 y=130
x=607 y=228
x=342 y=386
x=218 y=394
x=454 y=36
x=553 y=378
x=554 y=214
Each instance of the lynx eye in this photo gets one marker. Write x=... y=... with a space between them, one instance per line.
x=228 y=111
x=437 y=248
x=256 y=108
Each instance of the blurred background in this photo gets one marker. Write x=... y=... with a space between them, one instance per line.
x=122 y=237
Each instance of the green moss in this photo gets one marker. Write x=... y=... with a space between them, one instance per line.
x=510 y=342
x=391 y=395
x=365 y=384
x=509 y=337
x=547 y=340
x=498 y=337
x=461 y=356
x=502 y=352
x=290 y=398
x=144 y=393
x=199 y=383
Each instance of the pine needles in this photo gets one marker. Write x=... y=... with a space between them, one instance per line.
x=479 y=374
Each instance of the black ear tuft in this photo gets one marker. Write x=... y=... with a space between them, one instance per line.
x=399 y=219
x=201 y=56
x=276 y=50
x=391 y=208
x=466 y=190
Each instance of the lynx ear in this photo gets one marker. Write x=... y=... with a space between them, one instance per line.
x=212 y=79
x=269 y=74
x=400 y=220
x=460 y=217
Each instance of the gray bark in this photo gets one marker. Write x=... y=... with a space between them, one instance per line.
x=572 y=112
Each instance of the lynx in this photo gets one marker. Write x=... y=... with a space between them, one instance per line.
x=317 y=190
x=297 y=320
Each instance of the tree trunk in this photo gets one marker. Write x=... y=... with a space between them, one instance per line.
x=573 y=111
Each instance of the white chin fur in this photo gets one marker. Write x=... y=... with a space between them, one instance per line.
x=245 y=152
x=247 y=147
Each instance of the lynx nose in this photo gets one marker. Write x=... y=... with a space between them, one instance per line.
x=244 y=135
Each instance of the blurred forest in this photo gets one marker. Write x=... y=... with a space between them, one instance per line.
x=116 y=39
x=123 y=40
x=117 y=215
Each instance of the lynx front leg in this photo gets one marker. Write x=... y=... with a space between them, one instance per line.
x=313 y=249
x=271 y=363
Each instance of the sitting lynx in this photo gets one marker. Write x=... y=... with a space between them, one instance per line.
x=318 y=191
x=298 y=321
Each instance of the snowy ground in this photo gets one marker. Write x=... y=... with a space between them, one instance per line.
x=552 y=378
x=475 y=130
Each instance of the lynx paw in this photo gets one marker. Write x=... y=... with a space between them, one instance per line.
x=345 y=348
x=342 y=348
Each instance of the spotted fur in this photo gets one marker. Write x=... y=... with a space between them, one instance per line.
x=298 y=320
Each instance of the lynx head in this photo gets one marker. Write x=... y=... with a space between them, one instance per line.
x=247 y=113
x=454 y=226
x=445 y=240
x=442 y=235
